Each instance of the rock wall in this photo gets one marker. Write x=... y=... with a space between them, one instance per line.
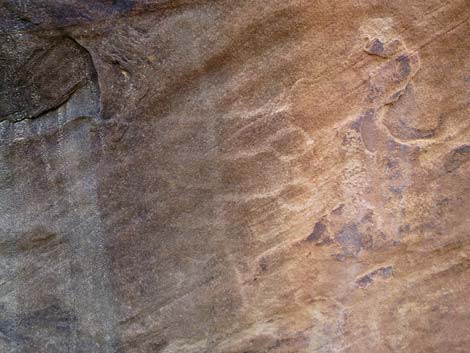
x=234 y=176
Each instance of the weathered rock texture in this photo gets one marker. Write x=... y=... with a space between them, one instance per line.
x=234 y=176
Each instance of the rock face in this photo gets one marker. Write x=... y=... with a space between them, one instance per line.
x=234 y=176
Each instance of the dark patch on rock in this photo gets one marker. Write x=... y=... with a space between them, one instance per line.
x=368 y=279
x=39 y=237
x=396 y=95
x=404 y=229
x=8 y=332
x=367 y=241
x=115 y=130
x=350 y=239
x=375 y=47
x=53 y=327
x=464 y=149
x=397 y=190
x=368 y=216
x=51 y=14
x=263 y=264
x=364 y=281
x=356 y=124
x=375 y=92
x=382 y=49
x=123 y=5
x=409 y=132
x=457 y=157
x=402 y=120
x=403 y=66
x=52 y=316
x=386 y=272
x=367 y=115
x=339 y=257
x=317 y=232
x=50 y=76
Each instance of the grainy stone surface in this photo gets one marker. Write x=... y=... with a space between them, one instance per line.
x=234 y=176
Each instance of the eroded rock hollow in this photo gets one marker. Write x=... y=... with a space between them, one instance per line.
x=234 y=176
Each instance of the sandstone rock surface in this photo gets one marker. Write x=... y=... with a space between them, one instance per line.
x=234 y=176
